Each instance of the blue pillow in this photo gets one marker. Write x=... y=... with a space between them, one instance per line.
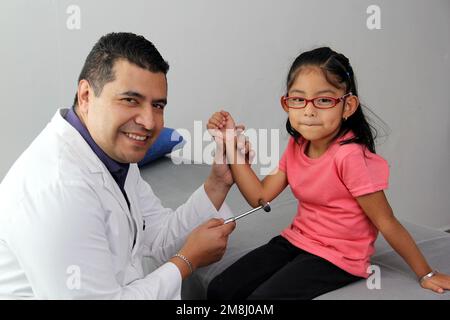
x=167 y=141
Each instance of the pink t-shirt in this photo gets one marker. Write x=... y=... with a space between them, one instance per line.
x=329 y=221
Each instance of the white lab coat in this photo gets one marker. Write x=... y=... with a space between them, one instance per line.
x=66 y=231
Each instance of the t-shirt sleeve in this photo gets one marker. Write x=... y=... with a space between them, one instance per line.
x=363 y=172
x=282 y=165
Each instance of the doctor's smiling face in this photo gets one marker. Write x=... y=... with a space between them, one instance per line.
x=127 y=116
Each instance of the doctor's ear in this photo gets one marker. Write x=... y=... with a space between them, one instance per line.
x=83 y=93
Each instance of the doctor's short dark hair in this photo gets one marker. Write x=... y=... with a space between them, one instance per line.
x=99 y=64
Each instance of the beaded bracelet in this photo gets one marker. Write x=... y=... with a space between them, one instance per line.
x=186 y=260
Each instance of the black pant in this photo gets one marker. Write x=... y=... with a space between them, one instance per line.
x=278 y=270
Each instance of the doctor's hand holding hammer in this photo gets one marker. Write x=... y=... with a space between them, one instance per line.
x=206 y=244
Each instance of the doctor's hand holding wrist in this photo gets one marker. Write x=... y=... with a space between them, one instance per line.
x=221 y=179
x=206 y=244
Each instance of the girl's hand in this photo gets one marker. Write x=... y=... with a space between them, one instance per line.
x=437 y=283
x=221 y=120
x=221 y=125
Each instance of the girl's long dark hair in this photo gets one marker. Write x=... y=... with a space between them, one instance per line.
x=339 y=73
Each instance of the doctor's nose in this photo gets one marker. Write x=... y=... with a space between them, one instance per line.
x=146 y=118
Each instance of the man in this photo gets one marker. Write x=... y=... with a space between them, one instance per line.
x=76 y=218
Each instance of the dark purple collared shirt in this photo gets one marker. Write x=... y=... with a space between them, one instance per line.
x=118 y=170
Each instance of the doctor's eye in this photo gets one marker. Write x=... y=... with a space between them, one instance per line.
x=159 y=106
x=131 y=100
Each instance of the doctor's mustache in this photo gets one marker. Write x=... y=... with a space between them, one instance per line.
x=137 y=129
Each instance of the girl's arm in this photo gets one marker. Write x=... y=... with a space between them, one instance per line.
x=377 y=208
x=252 y=188
x=248 y=183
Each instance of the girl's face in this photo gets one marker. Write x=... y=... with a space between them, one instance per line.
x=318 y=125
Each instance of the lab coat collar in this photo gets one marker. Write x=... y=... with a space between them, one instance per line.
x=86 y=155
x=118 y=170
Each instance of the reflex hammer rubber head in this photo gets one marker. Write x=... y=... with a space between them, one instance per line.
x=265 y=205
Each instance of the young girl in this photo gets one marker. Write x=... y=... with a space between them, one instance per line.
x=332 y=169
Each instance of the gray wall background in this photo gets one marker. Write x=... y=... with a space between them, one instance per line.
x=235 y=54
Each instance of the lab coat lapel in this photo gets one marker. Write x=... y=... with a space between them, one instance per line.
x=110 y=184
x=130 y=189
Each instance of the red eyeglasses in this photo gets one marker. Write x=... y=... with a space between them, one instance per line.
x=318 y=102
